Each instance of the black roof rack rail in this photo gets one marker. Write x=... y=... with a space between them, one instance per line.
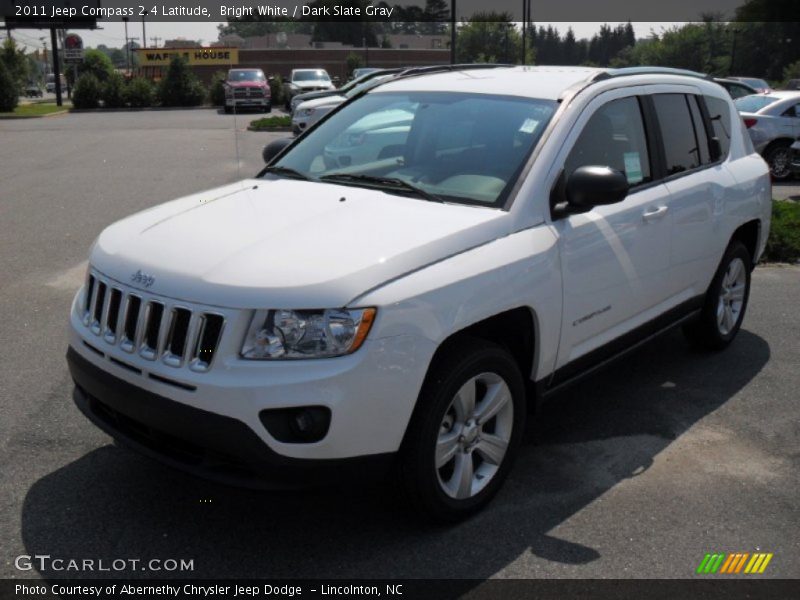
x=457 y=67
x=628 y=71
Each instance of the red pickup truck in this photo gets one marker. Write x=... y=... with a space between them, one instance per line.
x=247 y=88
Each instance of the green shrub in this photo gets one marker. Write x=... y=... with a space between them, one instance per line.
x=274 y=122
x=276 y=89
x=783 y=244
x=9 y=93
x=181 y=87
x=87 y=92
x=217 y=92
x=114 y=91
x=140 y=93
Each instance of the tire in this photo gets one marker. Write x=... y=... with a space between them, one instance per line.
x=779 y=159
x=483 y=452
x=268 y=108
x=725 y=302
x=228 y=110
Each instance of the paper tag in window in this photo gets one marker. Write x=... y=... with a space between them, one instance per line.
x=633 y=167
x=529 y=126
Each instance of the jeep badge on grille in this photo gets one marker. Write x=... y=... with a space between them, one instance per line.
x=142 y=279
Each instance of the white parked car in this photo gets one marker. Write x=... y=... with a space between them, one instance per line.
x=309 y=112
x=404 y=308
x=773 y=122
x=301 y=81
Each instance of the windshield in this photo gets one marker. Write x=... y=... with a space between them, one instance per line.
x=310 y=76
x=753 y=103
x=463 y=148
x=246 y=76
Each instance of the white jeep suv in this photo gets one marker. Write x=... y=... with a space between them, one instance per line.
x=399 y=308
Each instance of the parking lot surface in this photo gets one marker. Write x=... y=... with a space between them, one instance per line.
x=637 y=472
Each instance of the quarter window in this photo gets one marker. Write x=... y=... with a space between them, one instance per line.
x=614 y=137
x=720 y=115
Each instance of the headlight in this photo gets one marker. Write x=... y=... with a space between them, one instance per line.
x=288 y=334
x=307 y=112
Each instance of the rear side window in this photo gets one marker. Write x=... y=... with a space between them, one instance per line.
x=614 y=137
x=720 y=115
x=699 y=130
x=682 y=148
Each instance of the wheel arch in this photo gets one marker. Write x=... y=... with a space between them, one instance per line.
x=749 y=234
x=513 y=329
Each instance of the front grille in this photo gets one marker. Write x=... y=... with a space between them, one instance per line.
x=155 y=328
x=244 y=92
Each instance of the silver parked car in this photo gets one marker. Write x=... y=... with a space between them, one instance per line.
x=773 y=121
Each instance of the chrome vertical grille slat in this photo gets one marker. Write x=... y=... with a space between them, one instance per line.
x=156 y=329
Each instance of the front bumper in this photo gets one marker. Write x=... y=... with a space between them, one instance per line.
x=248 y=102
x=197 y=441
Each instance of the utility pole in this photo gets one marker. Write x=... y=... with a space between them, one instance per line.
x=127 y=46
x=56 y=66
x=144 y=35
x=156 y=39
x=452 y=32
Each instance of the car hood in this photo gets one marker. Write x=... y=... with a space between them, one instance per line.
x=248 y=84
x=287 y=243
x=313 y=85
x=318 y=102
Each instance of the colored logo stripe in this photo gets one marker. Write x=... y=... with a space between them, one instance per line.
x=720 y=562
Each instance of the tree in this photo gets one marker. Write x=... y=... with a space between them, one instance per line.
x=97 y=63
x=436 y=15
x=180 y=87
x=489 y=37
x=16 y=63
x=9 y=93
x=354 y=61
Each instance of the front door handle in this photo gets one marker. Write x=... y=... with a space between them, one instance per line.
x=654 y=214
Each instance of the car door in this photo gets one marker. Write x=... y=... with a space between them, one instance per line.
x=615 y=258
x=697 y=184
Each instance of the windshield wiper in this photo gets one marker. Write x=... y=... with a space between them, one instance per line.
x=286 y=172
x=386 y=183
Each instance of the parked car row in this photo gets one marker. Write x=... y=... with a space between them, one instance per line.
x=773 y=122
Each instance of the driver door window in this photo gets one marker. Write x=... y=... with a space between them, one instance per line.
x=614 y=137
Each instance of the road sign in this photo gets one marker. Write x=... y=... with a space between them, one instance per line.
x=73 y=48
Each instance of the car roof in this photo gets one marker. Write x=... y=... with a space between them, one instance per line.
x=783 y=94
x=536 y=82
x=545 y=82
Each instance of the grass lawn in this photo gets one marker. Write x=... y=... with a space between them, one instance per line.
x=267 y=123
x=37 y=109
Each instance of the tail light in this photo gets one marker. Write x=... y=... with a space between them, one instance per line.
x=750 y=122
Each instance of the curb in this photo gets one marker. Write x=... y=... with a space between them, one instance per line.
x=268 y=129
x=143 y=109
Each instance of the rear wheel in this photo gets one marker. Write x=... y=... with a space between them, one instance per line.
x=779 y=159
x=465 y=432
x=725 y=302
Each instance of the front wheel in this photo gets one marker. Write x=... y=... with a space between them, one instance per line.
x=725 y=302
x=465 y=432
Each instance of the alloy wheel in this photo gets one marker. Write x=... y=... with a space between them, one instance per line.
x=731 y=296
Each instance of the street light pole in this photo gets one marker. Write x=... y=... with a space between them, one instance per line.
x=144 y=35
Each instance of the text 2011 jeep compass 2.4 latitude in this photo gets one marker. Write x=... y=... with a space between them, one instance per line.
x=399 y=281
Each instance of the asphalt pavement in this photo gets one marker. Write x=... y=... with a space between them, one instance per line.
x=637 y=472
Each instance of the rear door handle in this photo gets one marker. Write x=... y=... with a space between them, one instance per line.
x=654 y=214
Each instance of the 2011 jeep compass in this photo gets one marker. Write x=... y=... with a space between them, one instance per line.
x=399 y=281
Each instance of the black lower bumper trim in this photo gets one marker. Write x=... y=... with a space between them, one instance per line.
x=203 y=443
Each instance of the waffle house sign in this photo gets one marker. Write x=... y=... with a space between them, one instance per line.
x=161 y=57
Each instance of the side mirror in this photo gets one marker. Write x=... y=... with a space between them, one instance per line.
x=590 y=186
x=272 y=149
